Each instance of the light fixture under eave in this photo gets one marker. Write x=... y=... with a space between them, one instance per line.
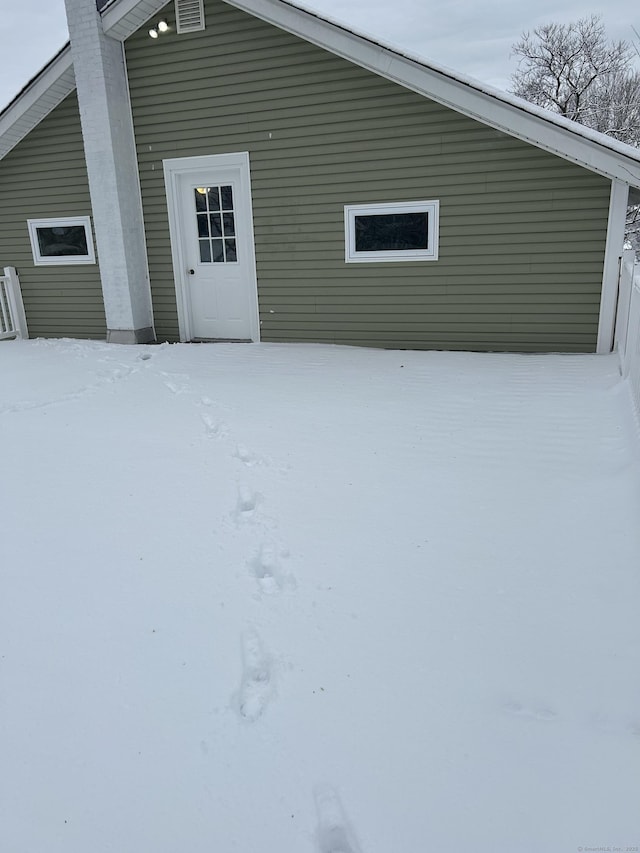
x=153 y=33
x=163 y=26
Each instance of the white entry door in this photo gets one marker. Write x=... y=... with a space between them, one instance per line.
x=212 y=245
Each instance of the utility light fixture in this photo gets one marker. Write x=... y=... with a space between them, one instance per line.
x=161 y=27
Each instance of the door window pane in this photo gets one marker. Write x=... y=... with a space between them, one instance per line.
x=230 y=250
x=213 y=198
x=203 y=229
x=229 y=225
x=218 y=254
x=205 y=251
x=216 y=225
x=227 y=198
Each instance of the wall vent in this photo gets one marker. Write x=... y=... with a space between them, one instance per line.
x=189 y=15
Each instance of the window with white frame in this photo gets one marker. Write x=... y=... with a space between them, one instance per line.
x=399 y=231
x=65 y=240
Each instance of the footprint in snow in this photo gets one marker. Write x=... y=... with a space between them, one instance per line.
x=213 y=427
x=267 y=570
x=175 y=382
x=334 y=834
x=247 y=501
x=245 y=456
x=256 y=687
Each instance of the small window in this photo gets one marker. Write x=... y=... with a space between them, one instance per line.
x=402 y=231
x=62 y=241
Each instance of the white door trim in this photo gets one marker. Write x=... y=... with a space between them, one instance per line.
x=174 y=169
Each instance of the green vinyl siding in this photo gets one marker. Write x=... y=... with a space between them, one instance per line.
x=45 y=176
x=522 y=232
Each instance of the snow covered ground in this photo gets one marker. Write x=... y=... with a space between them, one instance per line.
x=278 y=599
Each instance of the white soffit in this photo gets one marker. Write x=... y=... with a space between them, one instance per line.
x=122 y=18
x=42 y=95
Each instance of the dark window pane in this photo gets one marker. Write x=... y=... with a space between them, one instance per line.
x=230 y=249
x=391 y=232
x=229 y=225
x=227 y=198
x=205 y=251
x=203 y=225
x=201 y=199
x=218 y=256
x=61 y=240
x=214 y=198
x=216 y=225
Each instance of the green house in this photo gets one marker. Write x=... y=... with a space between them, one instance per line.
x=246 y=170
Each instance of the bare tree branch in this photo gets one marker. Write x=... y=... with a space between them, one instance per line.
x=574 y=70
x=566 y=67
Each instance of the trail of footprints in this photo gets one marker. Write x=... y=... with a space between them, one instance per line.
x=257 y=678
x=334 y=833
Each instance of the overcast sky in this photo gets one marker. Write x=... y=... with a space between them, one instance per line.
x=470 y=36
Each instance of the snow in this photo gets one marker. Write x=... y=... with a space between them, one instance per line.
x=311 y=598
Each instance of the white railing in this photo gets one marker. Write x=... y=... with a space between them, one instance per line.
x=13 y=323
x=628 y=324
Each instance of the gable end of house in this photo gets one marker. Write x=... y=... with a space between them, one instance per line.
x=522 y=210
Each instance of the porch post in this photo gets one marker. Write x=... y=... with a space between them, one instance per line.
x=612 y=256
x=110 y=153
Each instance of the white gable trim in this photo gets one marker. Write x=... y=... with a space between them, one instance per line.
x=41 y=96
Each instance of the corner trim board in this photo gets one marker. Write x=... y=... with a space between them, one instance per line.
x=611 y=270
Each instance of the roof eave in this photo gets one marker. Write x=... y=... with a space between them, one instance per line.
x=37 y=99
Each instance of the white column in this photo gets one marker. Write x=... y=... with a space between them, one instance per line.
x=612 y=256
x=107 y=130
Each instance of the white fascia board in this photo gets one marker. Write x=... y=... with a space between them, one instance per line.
x=508 y=114
x=44 y=94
